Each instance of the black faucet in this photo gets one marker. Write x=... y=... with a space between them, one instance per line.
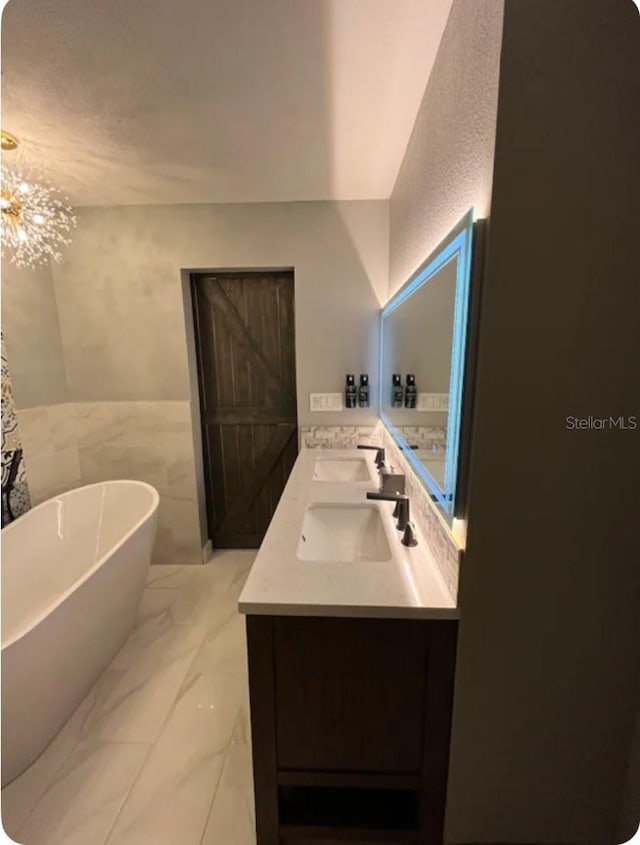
x=402 y=511
x=379 y=457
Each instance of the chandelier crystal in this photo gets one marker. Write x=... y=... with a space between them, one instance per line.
x=36 y=218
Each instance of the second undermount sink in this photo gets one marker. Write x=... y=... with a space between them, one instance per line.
x=343 y=534
x=341 y=469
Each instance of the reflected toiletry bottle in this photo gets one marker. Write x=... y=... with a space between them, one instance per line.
x=397 y=393
x=410 y=392
x=350 y=392
x=363 y=391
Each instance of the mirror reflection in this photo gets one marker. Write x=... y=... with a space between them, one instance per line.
x=423 y=344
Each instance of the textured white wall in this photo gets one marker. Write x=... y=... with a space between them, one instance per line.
x=32 y=337
x=120 y=296
x=448 y=165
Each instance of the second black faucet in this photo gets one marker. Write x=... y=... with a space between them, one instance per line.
x=402 y=511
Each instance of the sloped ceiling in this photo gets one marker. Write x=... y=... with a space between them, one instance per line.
x=161 y=101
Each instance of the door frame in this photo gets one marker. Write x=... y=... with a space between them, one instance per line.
x=194 y=385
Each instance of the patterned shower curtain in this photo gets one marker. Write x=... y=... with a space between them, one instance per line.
x=15 y=492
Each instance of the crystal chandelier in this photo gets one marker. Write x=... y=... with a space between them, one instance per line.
x=36 y=219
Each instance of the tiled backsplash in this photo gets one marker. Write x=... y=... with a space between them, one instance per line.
x=339 y=437
x=424 y=436
x=443 y=546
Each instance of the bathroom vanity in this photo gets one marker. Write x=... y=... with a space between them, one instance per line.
x=351 y=642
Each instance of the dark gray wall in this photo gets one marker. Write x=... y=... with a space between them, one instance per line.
x=548 y=677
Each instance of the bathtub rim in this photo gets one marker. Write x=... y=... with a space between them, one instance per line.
x=155 y=501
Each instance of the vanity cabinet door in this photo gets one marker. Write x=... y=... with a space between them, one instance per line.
x=350 y=694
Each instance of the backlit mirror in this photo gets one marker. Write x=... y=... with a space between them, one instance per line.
x=423 y=344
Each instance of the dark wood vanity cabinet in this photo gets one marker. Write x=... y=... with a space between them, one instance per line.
x=350 y=723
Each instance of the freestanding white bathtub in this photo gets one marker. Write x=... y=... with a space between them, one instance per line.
x=73 y=572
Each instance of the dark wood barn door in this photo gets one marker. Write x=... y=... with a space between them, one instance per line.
x=246 y=361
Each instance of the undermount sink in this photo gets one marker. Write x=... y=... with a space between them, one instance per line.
x=343 y=534
x=341 y=469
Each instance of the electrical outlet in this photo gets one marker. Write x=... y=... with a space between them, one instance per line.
x=325 y=401
x=433 y=402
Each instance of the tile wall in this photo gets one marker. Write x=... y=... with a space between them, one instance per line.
x=51 y=449
x=75 y=443
x=153 y=442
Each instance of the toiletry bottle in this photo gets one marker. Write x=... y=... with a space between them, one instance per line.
x=363 y=391
x=410 y=392
x=350 y=392
x=397 y=393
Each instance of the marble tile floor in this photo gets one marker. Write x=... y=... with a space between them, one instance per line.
x=159 y=751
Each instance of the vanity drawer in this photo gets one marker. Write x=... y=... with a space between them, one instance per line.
x=350 y=694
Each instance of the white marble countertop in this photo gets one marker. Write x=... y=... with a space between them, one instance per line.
x=407 y=586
